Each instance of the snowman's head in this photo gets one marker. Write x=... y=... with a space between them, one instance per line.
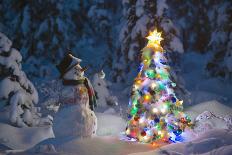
x=75 y=73
x=101 y=74
x=70 y=68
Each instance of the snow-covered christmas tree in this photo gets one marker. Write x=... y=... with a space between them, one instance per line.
x=18 y=95
x=155 y=113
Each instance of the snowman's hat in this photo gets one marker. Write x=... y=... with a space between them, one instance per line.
x=68 y=62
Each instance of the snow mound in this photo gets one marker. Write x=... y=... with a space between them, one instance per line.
x=212 y=106
x=211 y=142
x=23 y=138
x=109 y=124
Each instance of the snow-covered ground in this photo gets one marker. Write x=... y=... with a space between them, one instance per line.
x=107 y=141
x=23 y=138
x=217 y=142
x=109 y=124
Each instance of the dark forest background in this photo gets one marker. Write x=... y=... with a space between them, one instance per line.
x=109 y=34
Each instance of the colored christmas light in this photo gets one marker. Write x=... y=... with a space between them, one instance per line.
x=150 y=73
x=155 y=113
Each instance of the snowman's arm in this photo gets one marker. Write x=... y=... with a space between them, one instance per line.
x=96 y=94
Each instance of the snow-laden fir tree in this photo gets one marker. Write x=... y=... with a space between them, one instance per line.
x=18 y=95
x=220 y=42
x=155 y=113
x=100 y=15
x=103 y=19
x=205 y=27
x=192 y=21
x=48 y=29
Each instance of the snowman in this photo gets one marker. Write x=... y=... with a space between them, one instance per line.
x=103 y=94
x=75 y=116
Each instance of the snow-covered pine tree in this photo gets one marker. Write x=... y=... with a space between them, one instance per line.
x=205 y=27
x=100 y=18
x=192 y=21
x=48 y=29
x=220 y=43
x=103 y=21
x=18 y=95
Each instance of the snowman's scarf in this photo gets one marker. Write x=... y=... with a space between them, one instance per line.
x=86 y=82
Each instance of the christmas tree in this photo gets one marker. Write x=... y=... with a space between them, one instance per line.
x=155 y=113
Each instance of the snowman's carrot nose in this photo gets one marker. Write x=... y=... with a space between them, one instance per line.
x=84 y=69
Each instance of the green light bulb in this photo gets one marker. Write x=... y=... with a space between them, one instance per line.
x=150 y=73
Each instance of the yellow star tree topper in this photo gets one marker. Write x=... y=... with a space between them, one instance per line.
x=154 y=39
